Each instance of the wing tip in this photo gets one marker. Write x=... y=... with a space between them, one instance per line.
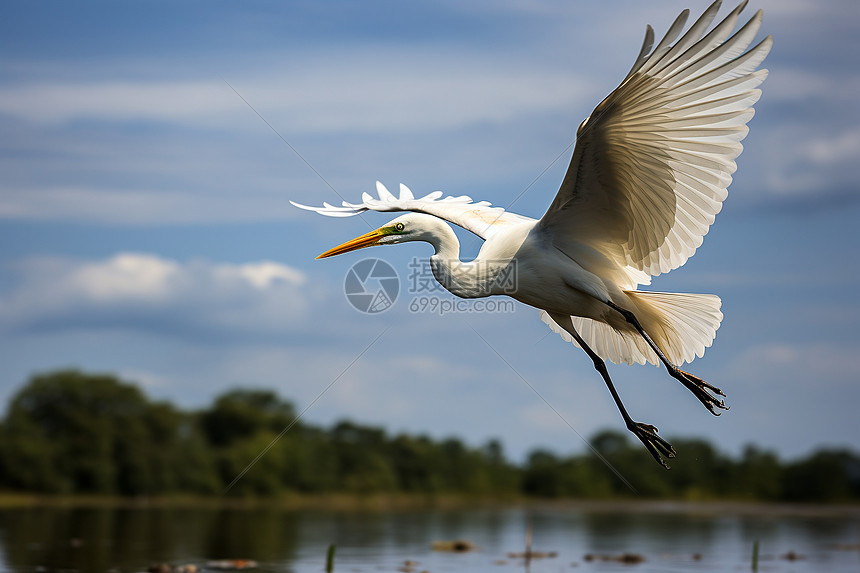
x=300 y=206
x=405 y=193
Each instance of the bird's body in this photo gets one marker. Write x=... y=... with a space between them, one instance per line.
x=576 y=283
x=546 y=278
x=648 y=175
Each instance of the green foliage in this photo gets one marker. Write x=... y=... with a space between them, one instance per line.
x=240 y=414
x=826 y=476
x=71 y=432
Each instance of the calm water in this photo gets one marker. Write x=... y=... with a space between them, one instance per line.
x=123 y=539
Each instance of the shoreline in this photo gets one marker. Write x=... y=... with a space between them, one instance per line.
x=444 y=502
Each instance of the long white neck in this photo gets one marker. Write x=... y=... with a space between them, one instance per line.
x=464 y=279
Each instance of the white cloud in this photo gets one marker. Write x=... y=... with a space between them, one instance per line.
x=262 y=275
x=111 y=100
x=802 y=159
x=142 y=207
x=90 y=203
x=796 y=84
x=387 y=90
x=145 y=291
x=806 y=364
x=125 y=277
x=410 y=106
x=835 y=148
x=477 y=110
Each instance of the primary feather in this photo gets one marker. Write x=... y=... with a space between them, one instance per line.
x=653 y=161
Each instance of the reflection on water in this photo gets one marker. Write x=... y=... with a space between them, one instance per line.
x=690 y=539
x=98 y=539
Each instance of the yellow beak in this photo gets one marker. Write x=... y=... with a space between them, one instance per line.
x=366 y=240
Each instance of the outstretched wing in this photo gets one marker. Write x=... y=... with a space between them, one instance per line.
x=653 y=161
x=480 y=218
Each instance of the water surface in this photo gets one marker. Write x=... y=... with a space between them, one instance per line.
x=668 y=538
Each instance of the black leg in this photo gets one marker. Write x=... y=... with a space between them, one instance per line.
x=646 y=433
x=700 y=389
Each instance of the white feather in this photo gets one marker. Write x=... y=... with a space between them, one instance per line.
x=480 y=218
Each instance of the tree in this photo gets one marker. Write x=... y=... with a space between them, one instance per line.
x=758 y=475
x=826 y=476
x=242 y=413
x=69 y=432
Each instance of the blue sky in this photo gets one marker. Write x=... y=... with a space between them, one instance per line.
x=145 y=227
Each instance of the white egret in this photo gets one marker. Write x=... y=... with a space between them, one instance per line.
x=648 y=175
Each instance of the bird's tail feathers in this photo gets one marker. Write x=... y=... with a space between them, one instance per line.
x=681 y=324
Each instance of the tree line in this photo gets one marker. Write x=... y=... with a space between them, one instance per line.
x=70 y=432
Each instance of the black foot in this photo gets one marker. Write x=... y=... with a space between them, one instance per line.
x=654 y=443
x=702 y=390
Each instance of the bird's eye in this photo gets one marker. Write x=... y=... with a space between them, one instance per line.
x=399 y=226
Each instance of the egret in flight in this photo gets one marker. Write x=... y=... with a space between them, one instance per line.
x=649 y=173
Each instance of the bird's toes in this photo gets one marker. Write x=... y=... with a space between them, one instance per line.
x=692 y=378
x=656 y=446
x=647 y=428
x=705 y=392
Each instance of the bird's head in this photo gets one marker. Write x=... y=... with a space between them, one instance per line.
x=409 y=227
